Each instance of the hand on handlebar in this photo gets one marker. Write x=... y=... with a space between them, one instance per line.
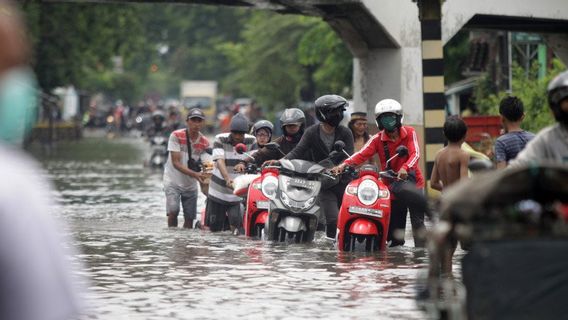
x=402 y=174
x=240 y=168
x=271 y=163
x=337 y=170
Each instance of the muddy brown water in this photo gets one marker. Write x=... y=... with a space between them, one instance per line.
x=139 y=269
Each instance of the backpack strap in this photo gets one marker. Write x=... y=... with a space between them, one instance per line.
x=188 y=143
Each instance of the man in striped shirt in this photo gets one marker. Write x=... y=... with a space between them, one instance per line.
x=515 y=138
x=221 y=202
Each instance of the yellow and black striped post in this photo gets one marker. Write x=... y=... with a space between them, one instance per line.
x=432 y=79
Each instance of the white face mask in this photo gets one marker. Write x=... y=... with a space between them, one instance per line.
x=18 y=104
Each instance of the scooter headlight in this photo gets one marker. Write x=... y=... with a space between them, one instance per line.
x=269 y=186
x=368 y=192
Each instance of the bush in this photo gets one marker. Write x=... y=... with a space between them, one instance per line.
x=527 y=87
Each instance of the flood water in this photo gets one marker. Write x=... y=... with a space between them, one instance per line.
x=139 y=269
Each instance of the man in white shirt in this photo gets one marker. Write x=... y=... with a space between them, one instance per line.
x=182 y=172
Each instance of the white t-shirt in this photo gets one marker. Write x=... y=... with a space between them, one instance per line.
x=178 y=143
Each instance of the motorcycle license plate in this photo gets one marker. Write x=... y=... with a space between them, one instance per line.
x=367 y=211
x=263 y=205
x=300 y=183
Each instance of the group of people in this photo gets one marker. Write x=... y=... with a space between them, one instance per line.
x=313 y=143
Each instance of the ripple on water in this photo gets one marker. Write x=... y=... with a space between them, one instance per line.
x=139 y=269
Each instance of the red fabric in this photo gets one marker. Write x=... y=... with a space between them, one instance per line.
x=374 y=146
x=198 y=147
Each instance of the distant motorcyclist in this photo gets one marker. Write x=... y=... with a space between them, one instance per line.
x=551 y=143
x=158 y=125
x=317 y=143
x=293 y=125
x=389 y=116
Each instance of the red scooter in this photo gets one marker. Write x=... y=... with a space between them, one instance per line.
x=250 y=188
x=364 y=216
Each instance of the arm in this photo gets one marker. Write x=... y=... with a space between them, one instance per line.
x=302 y=146
x=435 y=182
x=368 y=150
x=223 y=169
x=500 y=156
x=413 y=152
x=265 y=154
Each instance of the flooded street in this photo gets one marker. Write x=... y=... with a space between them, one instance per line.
x=139 y=269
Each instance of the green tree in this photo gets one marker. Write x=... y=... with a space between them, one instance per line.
x=284 y=59
x=530 y=89
x=456 y=52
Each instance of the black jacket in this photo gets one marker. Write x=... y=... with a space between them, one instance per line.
x=312 y=148
x=266 y=154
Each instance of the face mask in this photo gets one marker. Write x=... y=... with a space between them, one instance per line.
x=18 y=105
x=389 y=122
x=334 y=119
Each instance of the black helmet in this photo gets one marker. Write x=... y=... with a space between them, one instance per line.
x=558 y=91
x=239 y=123
x=263 y=124
x=328 y=104
x=292 y=116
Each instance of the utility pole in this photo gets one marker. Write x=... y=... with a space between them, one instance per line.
x=434 y=109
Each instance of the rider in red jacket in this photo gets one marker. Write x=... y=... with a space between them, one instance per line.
x=389 y=115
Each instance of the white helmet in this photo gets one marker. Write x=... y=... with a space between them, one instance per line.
x=388 y=106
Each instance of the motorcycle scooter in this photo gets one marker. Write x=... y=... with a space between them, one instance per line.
x=364 y=216
x=249 y=187
x=294 y=210
x=159 y=146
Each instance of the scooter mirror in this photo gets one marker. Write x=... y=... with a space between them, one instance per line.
x=402 y=151
x=241 y=148
x=272 y=146
x=338 y=146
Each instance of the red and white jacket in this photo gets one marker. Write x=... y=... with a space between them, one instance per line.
x=375 y=145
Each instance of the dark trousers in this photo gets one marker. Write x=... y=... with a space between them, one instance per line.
x=330 y=201
x=407 y=199
x=219 y=216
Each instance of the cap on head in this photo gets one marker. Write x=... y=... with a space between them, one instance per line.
x=358 y=116
x=239 y=123
x=195 y=113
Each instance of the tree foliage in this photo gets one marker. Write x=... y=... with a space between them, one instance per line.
x=283 y=59
x=530 y=89
x=275 y=58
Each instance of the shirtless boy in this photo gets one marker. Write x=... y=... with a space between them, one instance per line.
x=450 y=166
x=451 y=162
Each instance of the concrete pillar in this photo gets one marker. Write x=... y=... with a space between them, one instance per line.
x=432 y=80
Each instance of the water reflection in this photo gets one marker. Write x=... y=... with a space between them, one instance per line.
x=141 y=270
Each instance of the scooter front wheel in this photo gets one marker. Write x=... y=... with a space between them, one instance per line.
x=366 y=243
